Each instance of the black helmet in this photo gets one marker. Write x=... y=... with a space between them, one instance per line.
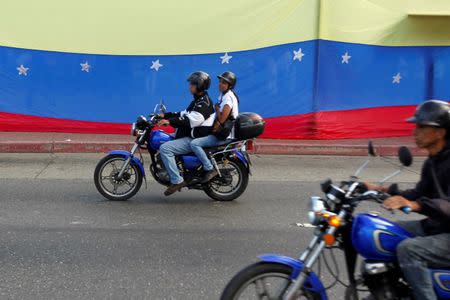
x=201 y=80
x=432 y=113
x=229 y=77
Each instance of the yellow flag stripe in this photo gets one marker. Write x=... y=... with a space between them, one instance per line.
x=386 y=22
x=150 y=27
x=171 y=27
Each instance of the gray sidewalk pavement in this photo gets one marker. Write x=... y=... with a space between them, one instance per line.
x=35 y=142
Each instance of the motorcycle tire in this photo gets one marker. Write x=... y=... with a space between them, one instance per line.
x=246 y=277
x=243 y=182
x=108 y=195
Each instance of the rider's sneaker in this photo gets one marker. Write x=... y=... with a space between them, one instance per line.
x=209 y=175
x=174 y=187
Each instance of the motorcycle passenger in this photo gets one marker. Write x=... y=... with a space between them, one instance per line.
x=430 y=197
x=227 y=110
x=196 y=121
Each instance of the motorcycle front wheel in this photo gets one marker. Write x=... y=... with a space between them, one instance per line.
x=263 y=280
x=110 y=186
x=232 y=182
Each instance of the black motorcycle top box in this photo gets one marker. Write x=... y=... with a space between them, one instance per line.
x=249 y=125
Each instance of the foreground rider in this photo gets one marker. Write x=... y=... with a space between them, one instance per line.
x=226 y=111
x=430 y=197
x=196 y=121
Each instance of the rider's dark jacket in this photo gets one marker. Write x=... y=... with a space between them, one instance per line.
x=436 y=208
x=196 y=121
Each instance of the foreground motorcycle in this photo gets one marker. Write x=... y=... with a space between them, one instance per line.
x=119 y=175
x=371 y=237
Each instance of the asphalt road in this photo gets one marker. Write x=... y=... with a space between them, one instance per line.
x=61 y=240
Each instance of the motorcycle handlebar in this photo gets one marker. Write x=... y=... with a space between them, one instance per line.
x=376 y=196
x=361 y=188
x=379 y=197
x=153 y=119
x=406 y=209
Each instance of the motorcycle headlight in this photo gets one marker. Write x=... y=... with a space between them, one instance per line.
x=141 y=123
x=133 y=129
x=316 y=206
x=312 y=218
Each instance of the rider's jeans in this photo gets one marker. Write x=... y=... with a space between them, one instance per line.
x=168 y=152
x=417 y=254
x=198 y=144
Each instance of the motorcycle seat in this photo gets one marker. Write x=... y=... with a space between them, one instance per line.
x=217 y=148
x=211 y=150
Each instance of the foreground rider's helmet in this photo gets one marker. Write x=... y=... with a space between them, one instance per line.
x=229 y=77
x=201 y=80
x=432 y=113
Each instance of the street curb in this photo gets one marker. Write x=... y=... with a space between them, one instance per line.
x=334 y=148
x=61 y=147
x=274 y=147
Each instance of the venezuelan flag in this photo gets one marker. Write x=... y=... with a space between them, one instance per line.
x=314 y=69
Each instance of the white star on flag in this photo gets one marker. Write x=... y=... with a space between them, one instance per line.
x=298 y=54
x=156 y=65
x=345 y=58
x=22 y=70
x=396 y=78
x=85 y=67
x=226 y=58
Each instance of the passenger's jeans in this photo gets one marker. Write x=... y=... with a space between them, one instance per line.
x=168 y=152
x=198 y=144
x=417 y=254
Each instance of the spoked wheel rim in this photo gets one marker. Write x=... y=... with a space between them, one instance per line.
x=267 y=286
x=230 y=181
x=109 y=182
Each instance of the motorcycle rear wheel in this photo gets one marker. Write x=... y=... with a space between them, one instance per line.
x=258 y=275
x=101 y=178
x=232 y=184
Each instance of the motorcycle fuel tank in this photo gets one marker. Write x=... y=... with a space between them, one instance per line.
x=157 y=138
x=376 y=238
x=441 y=282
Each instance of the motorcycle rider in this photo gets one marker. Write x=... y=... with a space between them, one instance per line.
x=196 y=121
x=430 y=197
x=226 y=108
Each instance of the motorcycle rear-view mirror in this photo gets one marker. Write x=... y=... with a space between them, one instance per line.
x=405 y=156
x=160 y=108
x=163 y=109
x=371 y=149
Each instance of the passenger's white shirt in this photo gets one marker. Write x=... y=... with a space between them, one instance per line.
x=229 y=99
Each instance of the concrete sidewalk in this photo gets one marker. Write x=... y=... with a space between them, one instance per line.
x=33 y=142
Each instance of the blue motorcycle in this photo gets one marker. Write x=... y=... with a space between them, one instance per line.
x=366 y=235
x=119 y=175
